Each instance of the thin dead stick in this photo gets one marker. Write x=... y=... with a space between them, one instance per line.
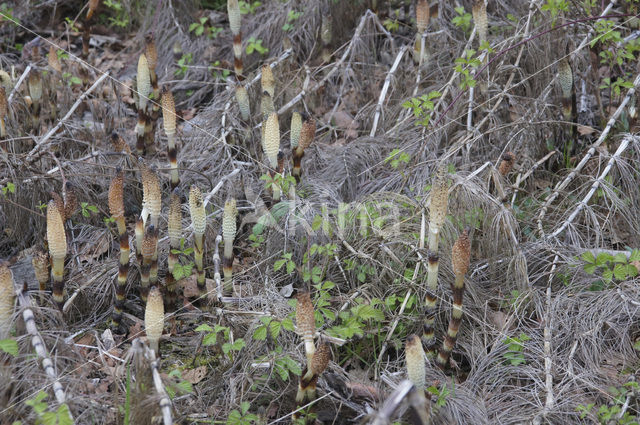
x=165 y=402
x=46 y=137
x=564 y=183
x=596 y=184
x=391 y=405
x=530 y=171
x=385 y=88
x=19 y=83
x=548 y=361
x=219 y=186
x=335 y=66
x=67 y=305
x=40 y=348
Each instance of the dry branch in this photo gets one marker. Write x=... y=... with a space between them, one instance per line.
x=385 y=88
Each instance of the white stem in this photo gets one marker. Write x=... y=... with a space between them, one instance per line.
x=165 y=402
x=385 y=88
x=19 y=83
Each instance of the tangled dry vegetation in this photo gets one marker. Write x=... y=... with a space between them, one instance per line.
x=333 y=211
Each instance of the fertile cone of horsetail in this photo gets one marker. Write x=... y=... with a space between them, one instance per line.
x=460 y=255
x=233 y=9
x=149 y=248
x=35 y=92
x=143 y=89
x=139 y=232
x=271 y=144
x=53 y=60
x=169 y=121
x=565 y=78
x=296 y=127
x=151 y=195
x=506 y=164
x=119 y=144
x=307 y=132
x=92 y=6
x=175 y=233
x=416 y=370
x=306 y=324
x=57 y=242
x=151 y=53
x=116 y=209
x=154 y=318
x=70 y=200
x=4 y=109
x=228 y=236
x=266 y=105
x=57 y=199
x=326 y=32
x=479 y=12
x=40 y=262
x=242 y=97
x=422 y=16
x=309 y=378
x=7 y=295
x=199 y=221
x=268 y=81
x=437 y=215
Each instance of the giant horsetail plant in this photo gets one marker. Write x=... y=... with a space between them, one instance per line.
x=437 y=216
x=199 y=221
x=233 y=9
x=55 y=75
x=151 y=53
x=242 y=97
x=169 y=121
x=266 y=105
x=175 y=233
x=317 y=359
x=479 y=13
x=70 y=200
x=414 y=357
x=57 y=242
x=7 y=297
x=143 y=87
x=268 y=81
x=422 y=22
x=116 y=209
x=139 y=233
x=154 y=318
x=460 y=255
x=296 y=127
x=565 y=79
x=307 y=133
x=151 y=195
x=149 y=249
x=228 y=236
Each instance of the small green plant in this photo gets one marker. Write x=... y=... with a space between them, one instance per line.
x=242 y=416
x=71 y=24
x=248 y=7
x=392 y=25
x=612 y=412
x=183 y=64
x=199 y=28
x=177 y=385
x=87 y=209
x=211 y=338
x=422 y=107
x=120 y=17
x=397 y=157
x=61 y=416
x=554 y=7
x=442 y=394
x=464 y=66
x=618 y=267
x=71 y=79
x=183 y=267
x=8 y=188
x=255 y=45
x=285 y=260
x=462 y=20
x=292 y=16
x=218 y=72
x=9 y=346
x=514 y=354
x=7 y=14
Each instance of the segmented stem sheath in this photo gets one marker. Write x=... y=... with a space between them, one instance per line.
x=228 y=235
x=233 y=10
x=169 y=121
x=149 y=249
x=307 y=133
x=116 y=208
x=199 y=221
x=175 y=233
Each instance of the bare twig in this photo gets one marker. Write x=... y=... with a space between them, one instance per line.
x=24 y=75
x=165 y=402
x=385 y=88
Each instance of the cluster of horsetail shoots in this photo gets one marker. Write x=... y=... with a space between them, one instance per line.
x=7 y=296
x=175 y=232
x=199 y=221
x=460 y=255
x=169 y=121
x=242 y=97
x=317 y=359
x=57 y=242
x=233 y=9
x=437 y=215
x=154 y=318
x=422 y=22
x=565 y=78
x=143 y=87
x=116 y=209
x=149 y=248
x=228 y=235
x=307 y=133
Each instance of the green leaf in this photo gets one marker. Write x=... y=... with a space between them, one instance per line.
x=588 y=257
x=185 y=387
x=210 y=339
x=204 y=328
x=635 y=255
x=603 y=258
x=238 y=345
x=64 y=416
x=278 y=264
x=632 y=271
x=282 y=371
x=589 y=268
x=620 y=271
x=274 y=328
x=288 y=324
x=620 y=258
x=607 y=275
x=260 y=334
x=9 y=346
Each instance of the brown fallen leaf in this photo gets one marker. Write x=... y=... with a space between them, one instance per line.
x=585 y=130
x=195 y=375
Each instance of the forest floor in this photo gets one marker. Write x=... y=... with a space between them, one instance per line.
x=520 y=116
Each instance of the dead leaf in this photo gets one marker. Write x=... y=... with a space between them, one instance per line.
x=190 y=286
x=195 y=375
x=585 y=130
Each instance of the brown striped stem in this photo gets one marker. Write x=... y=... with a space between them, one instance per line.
x=307 y=133
x=460 y=256
x=233 y=10
x=175 y=233
x=139 y=231
x=116 y=208
x=199 y=221
x=309 y=378
x=35 y=93
x=437 y=215
x=169 y=121
x=149 y=249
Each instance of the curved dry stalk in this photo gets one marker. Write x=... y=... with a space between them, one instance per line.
x=57 y=242
x=417 y=402
x=460 y=255
x=385 y=88
x=4 y=110
x=439 y=200
x=326 y=31
x=565 y=182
